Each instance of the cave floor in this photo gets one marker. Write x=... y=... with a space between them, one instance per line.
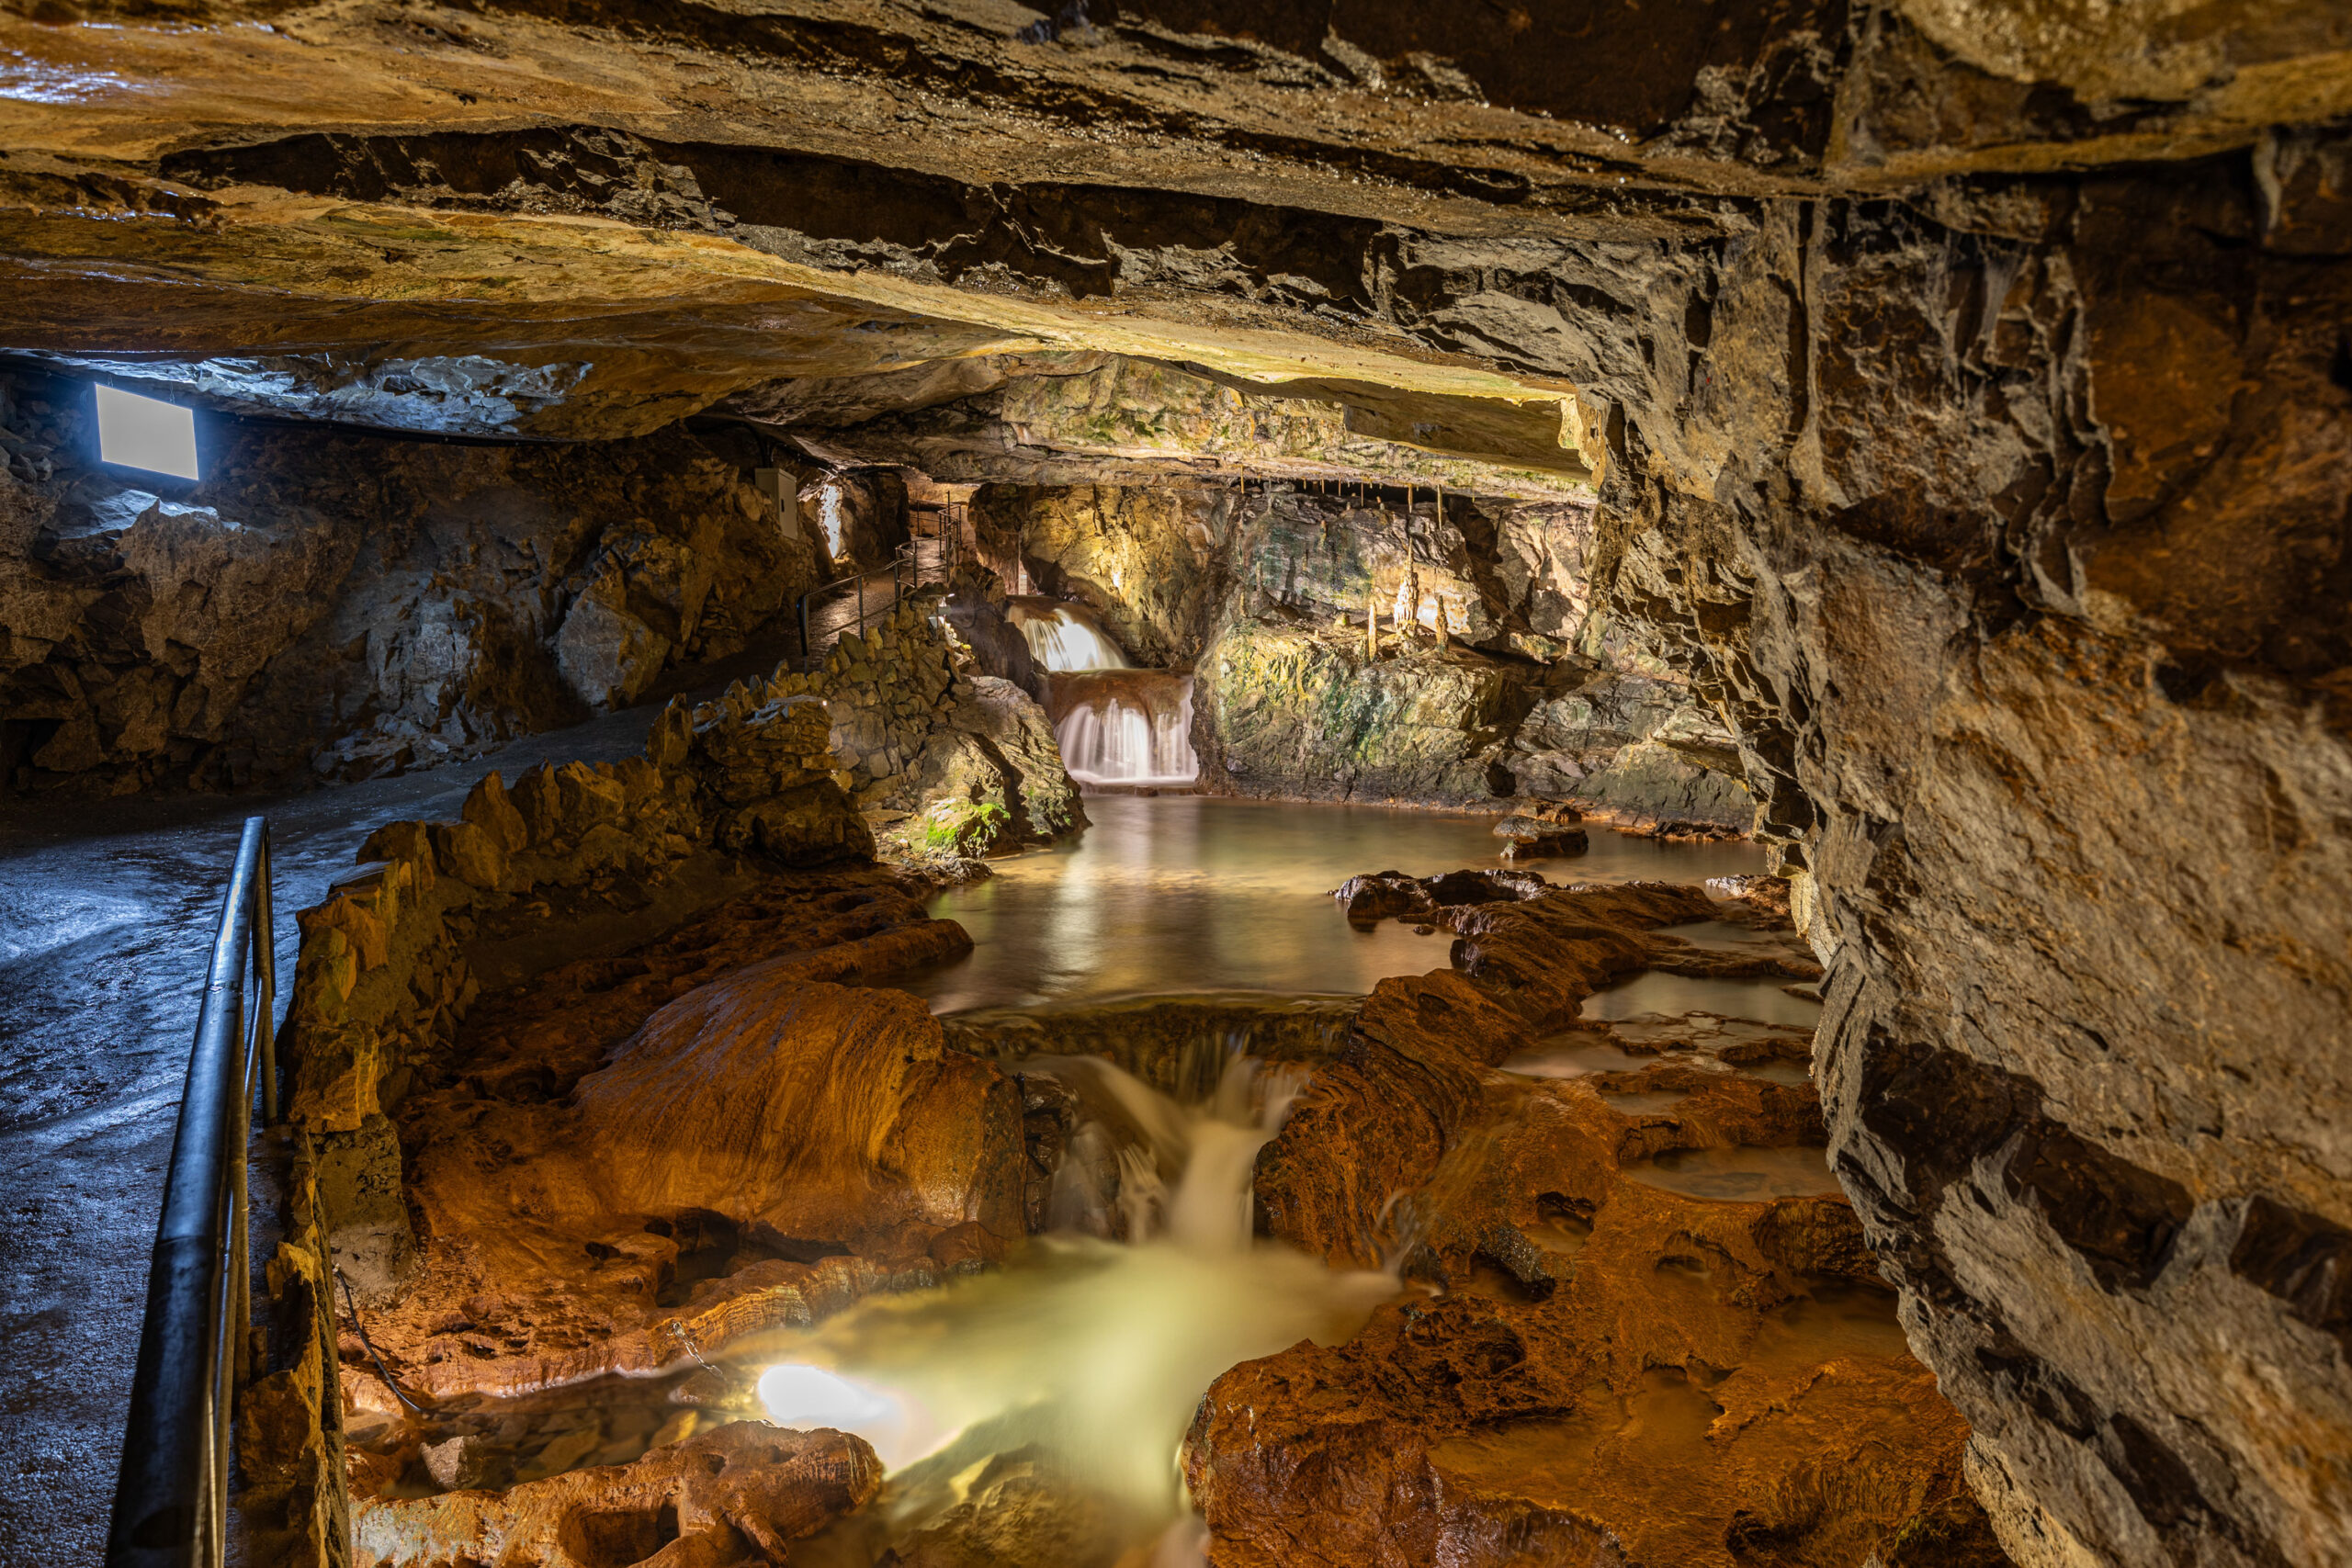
x=107 y=914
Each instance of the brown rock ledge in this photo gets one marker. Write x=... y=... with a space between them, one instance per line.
x=1598 y=1368
x=743 y=1492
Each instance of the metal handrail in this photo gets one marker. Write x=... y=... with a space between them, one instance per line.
x=906 y=570
x=170 y=1501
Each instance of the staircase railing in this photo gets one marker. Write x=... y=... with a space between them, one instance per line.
x=171 y=1503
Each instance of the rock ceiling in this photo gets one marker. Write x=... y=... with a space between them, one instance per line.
x=568 y=220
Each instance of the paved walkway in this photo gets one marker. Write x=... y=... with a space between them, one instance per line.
x=106 y=912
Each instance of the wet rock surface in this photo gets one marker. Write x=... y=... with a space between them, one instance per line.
x=1594 y=1354
x=743 y=1492
x=1612 y=1358
x=761 y=1151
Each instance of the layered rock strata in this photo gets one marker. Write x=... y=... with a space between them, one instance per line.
x=2034 y=678
x=1967 y=399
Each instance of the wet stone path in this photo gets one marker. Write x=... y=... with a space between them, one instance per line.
x=106 y=914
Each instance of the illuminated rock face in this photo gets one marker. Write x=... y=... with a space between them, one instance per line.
x=820 y=1137
x=1264 y=594
x=744 y=1491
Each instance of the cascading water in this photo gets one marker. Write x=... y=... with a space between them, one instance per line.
x=1116 y=724
x=1064 y=637
x=1133 y=728
x=1095 y=1350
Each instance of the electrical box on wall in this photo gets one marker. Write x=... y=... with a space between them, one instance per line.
x=780 y=485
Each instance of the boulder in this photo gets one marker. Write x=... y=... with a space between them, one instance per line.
x=1378 y=896
x=606 y=655
x=990 y=781
x=814 y=824
x=363 y=1206
x=1536 y=838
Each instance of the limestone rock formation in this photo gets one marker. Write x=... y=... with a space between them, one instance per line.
x=812 y=1111
x=1617 y=1366
x=331 y=604
x=1264 y=594
x=956 y=760
x=1542 y=830
x=741 y=1494
x=1082 y=419
x=818 y=1138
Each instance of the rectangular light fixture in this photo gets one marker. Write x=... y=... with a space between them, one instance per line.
x=144 y=432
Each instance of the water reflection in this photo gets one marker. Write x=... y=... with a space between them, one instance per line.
x=1739 y=1175
x=1174 y=892
x=1762 y=1001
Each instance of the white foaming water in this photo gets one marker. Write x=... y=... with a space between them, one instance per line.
x=1097 y=1351
x=1064 y=637
x=1117 y=741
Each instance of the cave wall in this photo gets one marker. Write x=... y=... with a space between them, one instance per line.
x=869 y=507
x=2010 y=531
x=2003 y=527
x=1261 y=592
x=334 y=604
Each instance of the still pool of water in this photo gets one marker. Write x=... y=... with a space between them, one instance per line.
x=1739 y=1175
x=1643 y=1101
x=1172 y=892
x=1578 y=1055
x=1764 y=1000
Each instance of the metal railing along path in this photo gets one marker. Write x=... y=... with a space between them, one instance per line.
x=908 y=571
x=171 y=1503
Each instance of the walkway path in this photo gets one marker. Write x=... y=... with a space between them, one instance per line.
x=107 y=911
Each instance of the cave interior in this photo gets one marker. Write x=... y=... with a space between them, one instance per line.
x=842 y=612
